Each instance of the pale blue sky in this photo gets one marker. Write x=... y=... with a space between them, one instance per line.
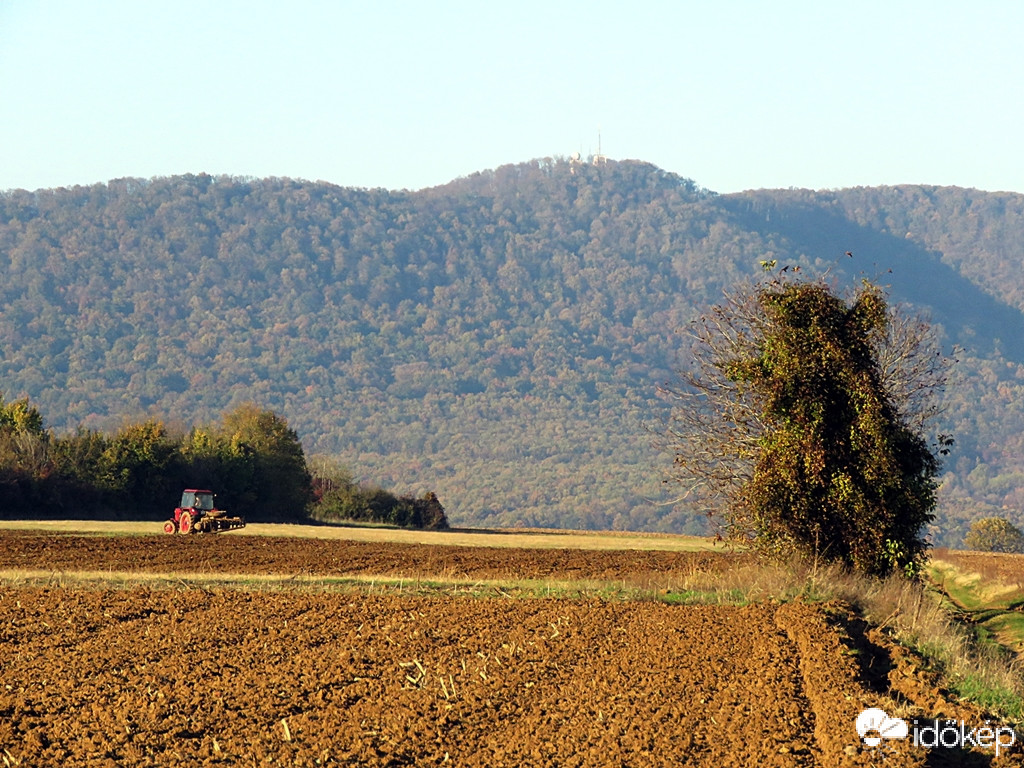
x=734 y=95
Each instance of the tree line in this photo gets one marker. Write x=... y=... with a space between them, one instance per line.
x=250 y=458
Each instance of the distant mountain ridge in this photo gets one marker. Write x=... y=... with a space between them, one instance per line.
x=498 y=339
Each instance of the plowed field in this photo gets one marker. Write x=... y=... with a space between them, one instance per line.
x=998 y=566
x=93 y=676
x=318 y=557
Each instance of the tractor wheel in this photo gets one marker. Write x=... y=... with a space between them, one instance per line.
x=185 y=523
x=170 y=527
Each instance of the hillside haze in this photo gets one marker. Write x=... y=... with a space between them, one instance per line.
x=499 y=339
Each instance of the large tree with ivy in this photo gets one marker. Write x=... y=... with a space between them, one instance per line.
x=801 y=421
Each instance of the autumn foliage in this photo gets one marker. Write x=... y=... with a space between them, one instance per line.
x=995 y=534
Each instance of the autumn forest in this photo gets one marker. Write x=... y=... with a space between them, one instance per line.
x=500 y=339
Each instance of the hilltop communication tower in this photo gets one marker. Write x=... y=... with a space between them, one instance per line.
x=599 y=158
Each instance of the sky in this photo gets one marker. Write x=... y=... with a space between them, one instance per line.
x=732 y=94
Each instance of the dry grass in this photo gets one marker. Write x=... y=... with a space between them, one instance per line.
x=526 y=539
x=917 y=617
x=439 y=584
x=974 y=590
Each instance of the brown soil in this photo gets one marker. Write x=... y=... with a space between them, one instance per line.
x=211 y=554
x=209 y=677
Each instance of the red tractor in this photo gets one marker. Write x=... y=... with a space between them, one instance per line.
x=196 y=514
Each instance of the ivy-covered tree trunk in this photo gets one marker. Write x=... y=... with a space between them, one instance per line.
x=803 y=429
x=839 y=475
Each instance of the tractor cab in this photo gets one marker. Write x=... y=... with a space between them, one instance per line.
x=197 y=500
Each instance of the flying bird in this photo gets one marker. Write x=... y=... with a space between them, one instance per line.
x=849 y=254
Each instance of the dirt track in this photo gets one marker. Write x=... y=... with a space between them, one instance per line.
x=142 y=677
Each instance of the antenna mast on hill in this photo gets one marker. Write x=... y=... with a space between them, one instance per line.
x=599 y=159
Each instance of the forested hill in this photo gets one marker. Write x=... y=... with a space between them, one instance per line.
x=498 y=339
